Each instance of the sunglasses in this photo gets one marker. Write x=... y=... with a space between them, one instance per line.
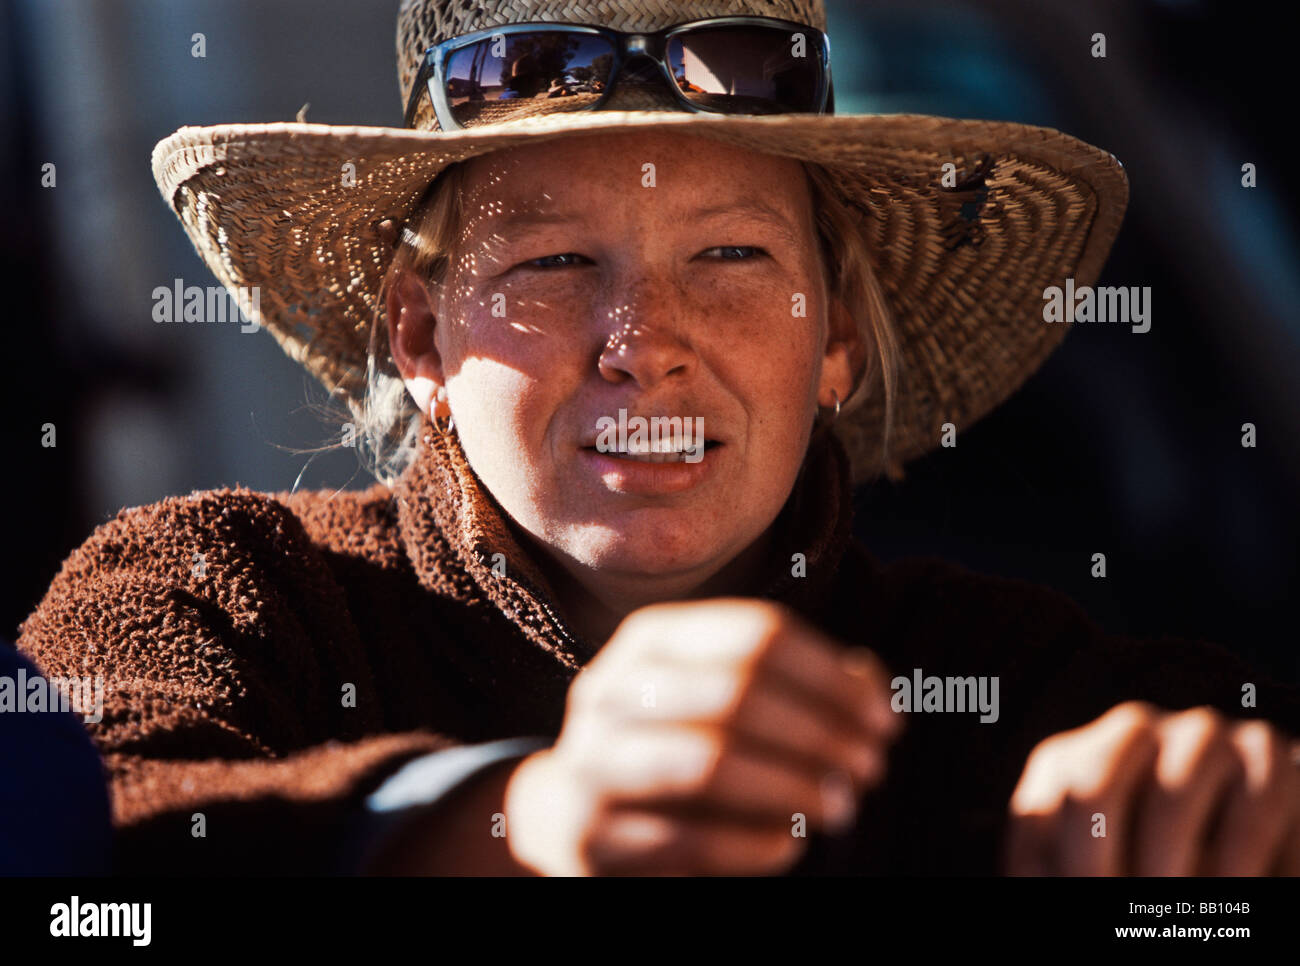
x=722 y=65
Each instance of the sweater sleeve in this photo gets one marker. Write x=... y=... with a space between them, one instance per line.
x=241 y=727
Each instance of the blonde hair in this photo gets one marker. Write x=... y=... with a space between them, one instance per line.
x=389 y=421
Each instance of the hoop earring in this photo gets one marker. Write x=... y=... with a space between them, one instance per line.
x=835 y=415
x=442 y=429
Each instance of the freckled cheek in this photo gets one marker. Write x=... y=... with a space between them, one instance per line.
x=507 y=392
x=768 y=355
x=500 y=406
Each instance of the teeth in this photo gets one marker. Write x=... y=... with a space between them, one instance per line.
x=665 y=446
x=644 y=454
x=649 y=457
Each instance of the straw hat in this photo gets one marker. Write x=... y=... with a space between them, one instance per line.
x=964 y=268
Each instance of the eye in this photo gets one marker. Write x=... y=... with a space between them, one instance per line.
x=737 y=253
x=554 y=261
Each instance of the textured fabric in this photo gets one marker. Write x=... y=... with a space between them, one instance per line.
x=271 y=658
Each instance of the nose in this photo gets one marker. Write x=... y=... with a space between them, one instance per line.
x=644 y=346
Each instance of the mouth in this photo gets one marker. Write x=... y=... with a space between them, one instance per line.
x=661 y=453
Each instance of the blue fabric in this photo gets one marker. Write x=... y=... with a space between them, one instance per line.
x=414 y=791
x=54 y=811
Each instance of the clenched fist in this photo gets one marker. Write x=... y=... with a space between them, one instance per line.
x=695 y=741
x=1187 y=793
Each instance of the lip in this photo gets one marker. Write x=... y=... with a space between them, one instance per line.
x=640 y=478
x=592 y=442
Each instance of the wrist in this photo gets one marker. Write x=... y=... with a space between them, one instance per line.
x=462 y=834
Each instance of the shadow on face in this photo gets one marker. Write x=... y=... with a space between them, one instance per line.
x=601 y=280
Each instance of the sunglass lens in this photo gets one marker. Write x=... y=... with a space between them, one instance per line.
x=519 y=75
x=748 y=70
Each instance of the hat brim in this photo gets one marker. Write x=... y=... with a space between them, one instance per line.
x=964 y=268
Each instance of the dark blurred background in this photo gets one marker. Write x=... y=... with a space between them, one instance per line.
x=1122 y=444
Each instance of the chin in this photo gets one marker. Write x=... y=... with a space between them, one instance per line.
x=651 y=542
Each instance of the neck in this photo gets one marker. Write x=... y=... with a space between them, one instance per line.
x=454 y=535
x=595 y=602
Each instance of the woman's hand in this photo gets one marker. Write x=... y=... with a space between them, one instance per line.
x=1187 y=793
x=695 y=741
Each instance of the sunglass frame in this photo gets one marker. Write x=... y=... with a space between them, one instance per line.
x=625 y=45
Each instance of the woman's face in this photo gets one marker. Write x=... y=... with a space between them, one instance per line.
x=662 y=276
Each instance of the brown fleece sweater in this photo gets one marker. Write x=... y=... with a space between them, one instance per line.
x=270 y=658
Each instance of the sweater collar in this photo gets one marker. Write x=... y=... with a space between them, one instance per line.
x=462 y=545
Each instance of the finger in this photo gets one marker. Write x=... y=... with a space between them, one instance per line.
x=1027 y=847
x=776 y=719
x=817 y=742
x=1195 y=766
x=678 y=766
x=851 y=683
x=770 y=640
x=646 y=842
x=1257 y=810
x=1072 y=804
x=1288 y=857
x=864 y=663
x=1287 y=860
x=1111 y=764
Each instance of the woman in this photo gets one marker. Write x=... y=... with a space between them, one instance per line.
x=603 y=614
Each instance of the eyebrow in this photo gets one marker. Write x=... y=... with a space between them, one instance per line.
x=530 y=219
x=750 y=208
x=754 y=209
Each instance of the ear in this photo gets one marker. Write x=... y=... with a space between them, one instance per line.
x=845 y=361
x=411 y=327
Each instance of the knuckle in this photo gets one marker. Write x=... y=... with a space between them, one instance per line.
x=769 y=616
x=706 y=771
x=586 y=691
x=644 y=616
x=1203 y=725
x=1261 y=740
x=638 y=632
x=1133 y=713
x=575 y=758
x=735 y=702
x=1094 y=797
x=1215 y=746
x=1265 y=759
x=1206 y=717
x=766 y=633
x=1062 y=772
x=1047 y=753
x=712 y=771
x=1140 y=739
